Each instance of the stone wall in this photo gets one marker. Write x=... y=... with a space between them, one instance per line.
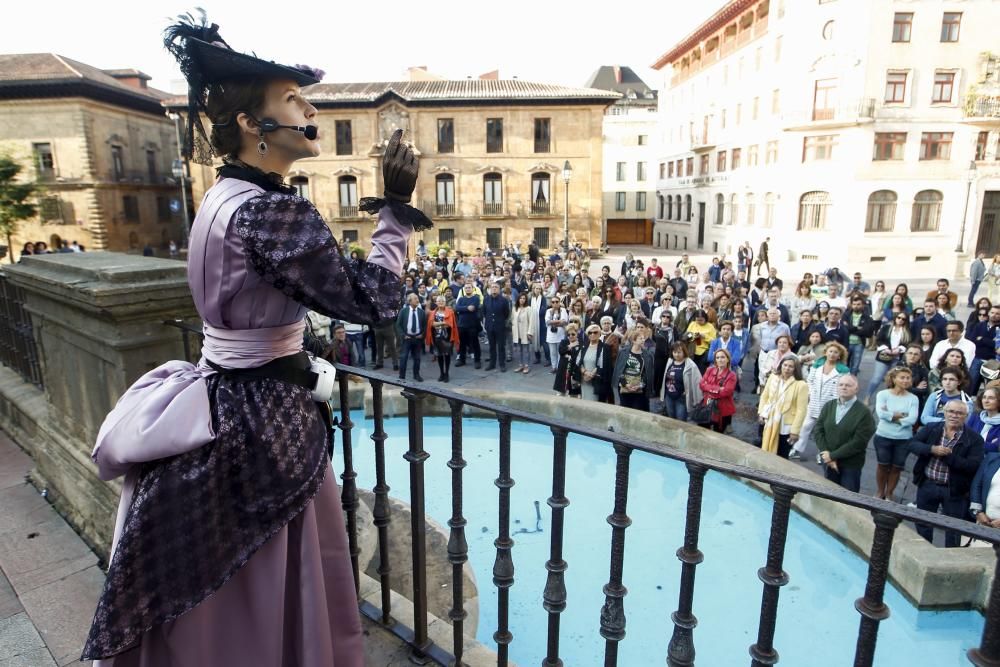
x=98 y=323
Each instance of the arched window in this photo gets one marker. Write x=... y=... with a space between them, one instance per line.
x=769 y=201
x=670 y=207
x=492 y=194
x=348 y=188
x=540 y=194
x=301 y=185
x=720 y=209
x=813 y=208
x=926 y=211
x=734 y=209
x=751 y=209
x=881 y=211
x=687 y=206
x=661 y=206
x=445 y=189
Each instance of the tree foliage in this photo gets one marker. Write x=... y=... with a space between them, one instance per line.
x=17 y=199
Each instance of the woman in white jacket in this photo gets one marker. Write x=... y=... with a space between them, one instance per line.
x=556 y=319
x=524 y=329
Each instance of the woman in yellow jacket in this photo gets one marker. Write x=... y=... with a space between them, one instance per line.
x=782 y=408
x=699 y=336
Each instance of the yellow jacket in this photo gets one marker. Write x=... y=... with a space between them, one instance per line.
x=782 y=402
x=708 y=334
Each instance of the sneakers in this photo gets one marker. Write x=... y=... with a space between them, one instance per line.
x=794 y=456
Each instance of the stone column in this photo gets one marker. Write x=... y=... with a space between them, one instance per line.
x=98 y=322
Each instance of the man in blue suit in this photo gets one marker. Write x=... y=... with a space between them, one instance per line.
x=411 y=325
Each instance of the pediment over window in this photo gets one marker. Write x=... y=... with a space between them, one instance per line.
x=491 y=167
x=543 y=166
x=117 y=139
x=348 y=171
x=444 y=169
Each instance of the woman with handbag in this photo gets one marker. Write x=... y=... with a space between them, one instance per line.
x=890 y=344
x=442 y=335
x=595 y=365
x=717 y=386
x=568 y=376
x=782 y=408
x=556 y=319
x=680 y=392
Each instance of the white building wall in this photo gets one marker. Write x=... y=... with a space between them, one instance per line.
x=792 y=54
x=621 y=130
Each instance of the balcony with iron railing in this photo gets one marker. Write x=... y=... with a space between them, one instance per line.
x=857 y=112
x=345 y=212
x=492 y=209
x=689 y=445
x=446 y=210
x=702 y=141
x=983 y=109
x=541 y=209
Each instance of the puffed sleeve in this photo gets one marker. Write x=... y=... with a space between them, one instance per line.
x=291 y=248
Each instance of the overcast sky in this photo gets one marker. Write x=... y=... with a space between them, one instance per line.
x=556 y=42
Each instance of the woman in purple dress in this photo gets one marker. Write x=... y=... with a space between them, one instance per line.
x=230 y=547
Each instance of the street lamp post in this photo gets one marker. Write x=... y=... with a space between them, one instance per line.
x=179 y=174
x=970 y=177
x=567 y=173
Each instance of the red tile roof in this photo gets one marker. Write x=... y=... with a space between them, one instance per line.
x=726 y=14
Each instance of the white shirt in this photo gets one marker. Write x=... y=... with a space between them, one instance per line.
x=967 y=347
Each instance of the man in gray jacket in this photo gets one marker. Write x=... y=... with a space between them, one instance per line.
x=977 y=271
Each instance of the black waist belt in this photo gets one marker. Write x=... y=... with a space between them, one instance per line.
x=293 y=369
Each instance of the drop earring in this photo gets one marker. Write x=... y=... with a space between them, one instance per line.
x=262 y=145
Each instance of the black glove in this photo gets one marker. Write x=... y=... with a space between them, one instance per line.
x=399 y=169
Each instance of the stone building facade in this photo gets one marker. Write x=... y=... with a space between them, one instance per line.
x=100 y=146
x=492 y=153
x=844 y=131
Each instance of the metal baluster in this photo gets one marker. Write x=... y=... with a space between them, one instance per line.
x=763 y=653
x=680 y=652
x=349 y=490
x=380 y=512
x=988 y=653
x=554 y=596
x=418 y=526
x=871 y=607
x=503 y=567
x=458 y=548
x=613 y=611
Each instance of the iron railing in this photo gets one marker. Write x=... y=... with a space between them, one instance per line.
x=347 y=211
x=445 y=210
x=680 y=650
x=982 y=106
x=541 y=208
x=18 y=350
x=488 y=208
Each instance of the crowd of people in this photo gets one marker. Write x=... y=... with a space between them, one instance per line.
x=685 y=342
x=42 y=248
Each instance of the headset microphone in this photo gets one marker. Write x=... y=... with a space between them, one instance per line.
x=270 y=125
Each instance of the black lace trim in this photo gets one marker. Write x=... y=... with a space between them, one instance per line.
x=406 y=214
x=271 y=182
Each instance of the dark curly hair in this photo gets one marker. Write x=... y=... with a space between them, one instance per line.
x=225 y=101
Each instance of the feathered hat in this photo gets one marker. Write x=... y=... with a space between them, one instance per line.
x=205 y=59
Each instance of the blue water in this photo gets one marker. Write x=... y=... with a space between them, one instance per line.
x=817 y=622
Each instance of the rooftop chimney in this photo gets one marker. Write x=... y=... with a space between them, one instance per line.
x=130 y=77
x=618 y=74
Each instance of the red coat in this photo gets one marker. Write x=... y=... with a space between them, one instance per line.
x=722 y=391
x=449 y=318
